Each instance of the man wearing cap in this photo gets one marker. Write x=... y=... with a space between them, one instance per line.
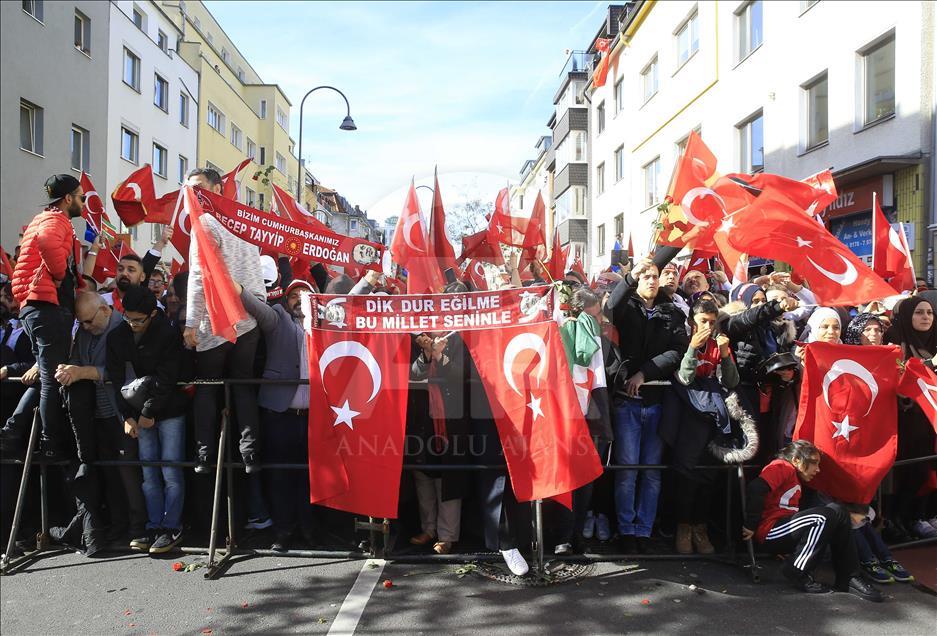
x=45 y=281
x=284 y=408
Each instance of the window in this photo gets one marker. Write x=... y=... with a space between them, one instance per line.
x=353 y=225
x=162 y=41
x=651 y=177
x=80 y=149
x=139 y=19
x=82 y=32
x=129 y=145
x=155 y=232
x=251 y=148
x=619 y=227
x=520 y=202
x=681 y=145
x=600 y=118
x=161 y=93
x=240 y=73
x=752 y=144
x=209 y=38
x=263 y=109
x=748 y=22
x=160 y=160
x=577 y=145
x=619 y=96
x=237 y=137
x=30 y=127
x=251 y=197
x=225 y=56
x=197 y=23
x=619 y=163
x=687 y=39
x=280 y=163
x=817 y=92
x=131 y=70
x=260 y=201
x=649 y=79
x=183 y=168
x=600 y=240
x=282 y=119
x=578 y=200
x=878 y=66
x=215 y=118
x=33 y=8
x=184 y=109
x=263 y=156
x=600 y=178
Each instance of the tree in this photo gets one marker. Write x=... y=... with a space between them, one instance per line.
x=466 y=218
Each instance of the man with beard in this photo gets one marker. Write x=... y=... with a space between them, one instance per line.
x=131 y=270
x=45 y=280
x=670 y=283
x=284 y=408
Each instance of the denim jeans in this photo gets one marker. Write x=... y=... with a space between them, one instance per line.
x=48 y=327
x=869 y=545
x=636 y=442
x=163 y=486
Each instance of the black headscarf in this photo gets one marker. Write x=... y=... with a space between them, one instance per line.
x=853 y=333
x=917 y=344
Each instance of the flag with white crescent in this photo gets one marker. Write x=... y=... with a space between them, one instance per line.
x=891 y=258
x=919 y=383
x=358 y=385
x=849 y=410
x=545 y=438
x=135 y=196
x=410 y=248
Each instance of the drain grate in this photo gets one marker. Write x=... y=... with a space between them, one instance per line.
x=555 y=573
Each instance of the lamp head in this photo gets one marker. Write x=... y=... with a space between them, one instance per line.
x=348 y=124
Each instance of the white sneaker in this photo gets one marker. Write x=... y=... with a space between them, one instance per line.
x=563 y=549
x=515 y=561
x=589 y=527
x=923 y=529
x=933 y=522
x=258 y=524
x=602 y=528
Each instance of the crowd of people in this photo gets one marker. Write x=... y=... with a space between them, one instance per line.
x=699 y=372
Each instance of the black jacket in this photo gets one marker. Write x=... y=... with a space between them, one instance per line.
x=160 y=354
x=653 y=346
x=747 y=332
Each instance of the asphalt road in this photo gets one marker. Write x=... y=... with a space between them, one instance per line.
x=130 y=594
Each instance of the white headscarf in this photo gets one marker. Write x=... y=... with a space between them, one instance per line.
x=818 y=316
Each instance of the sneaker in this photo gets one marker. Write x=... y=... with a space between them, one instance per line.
x=897 y=571
x=924 y=530
x=588 y=528
x=603 y=530
x=166 y=540
x=141 y=543
x=803 y=581
x=865 y=591
x=258 y=524
x=563 y=549
x=515 y=561
x=875 y=572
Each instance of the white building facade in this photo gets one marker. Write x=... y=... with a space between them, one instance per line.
x=788 y=87
x=152 y=105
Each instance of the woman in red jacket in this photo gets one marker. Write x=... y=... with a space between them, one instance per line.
x=45 y=281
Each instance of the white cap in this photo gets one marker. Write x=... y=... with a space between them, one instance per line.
x=268 y=267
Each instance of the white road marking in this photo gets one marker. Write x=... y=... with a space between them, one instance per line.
x=353 y=606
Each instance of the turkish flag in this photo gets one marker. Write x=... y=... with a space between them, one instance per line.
x=105 y=264
x=891 y=258
x=483 y=246
x=556 y=266
x=774 y=227
x=695 y=167
x=358 y=385
x=229 y=182
x=410 y=249
x=475 y=272
x=535 y=237
x=134 y=196
x=511 y=230
x=545 y=438
x=180 y=221
x=823 y=181
x=439 y=245
x=93 y=210
x=601 y=69
x=849 y=410
x=287 y=206
x=222 y=302
x=920 y=384
x=738 y=190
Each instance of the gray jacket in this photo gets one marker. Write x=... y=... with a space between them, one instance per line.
x=88 y=352
x=285 y=339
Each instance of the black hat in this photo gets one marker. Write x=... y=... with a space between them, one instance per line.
x=60 y=185
x=777 y=362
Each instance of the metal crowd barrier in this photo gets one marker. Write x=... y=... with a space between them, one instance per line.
x=379 y=530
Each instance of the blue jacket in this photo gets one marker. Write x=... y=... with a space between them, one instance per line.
x=285 y=339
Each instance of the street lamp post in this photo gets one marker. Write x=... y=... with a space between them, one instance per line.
x=347 y=124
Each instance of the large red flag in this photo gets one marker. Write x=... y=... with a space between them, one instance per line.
x=482 y=246
x=891 y=258
x=439 y=245
x=105 y=263
x=535 y=238
x=601 y=69
x=543 y=433
x=511 y=230
x=849 y=410
x=695 y=167
x=134 y=196
x=93 y=210
x=409 y=247
x=222 y=302
x=358 y=385
x=229 y=182
x=556 y=266
x=287 y=206
x=920 y=384
x=773 y=227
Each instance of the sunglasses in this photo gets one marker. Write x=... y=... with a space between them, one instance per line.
x=136 y=322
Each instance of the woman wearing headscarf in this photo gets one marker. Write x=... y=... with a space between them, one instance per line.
x=914 y=331
x=824 y=325
x=864 y=329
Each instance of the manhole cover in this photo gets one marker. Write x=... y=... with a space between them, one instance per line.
x=555 y=572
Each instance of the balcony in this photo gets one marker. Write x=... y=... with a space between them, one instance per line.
x=577 y=62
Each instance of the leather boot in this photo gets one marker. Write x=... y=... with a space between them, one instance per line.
x=684 y=542
x=701 y=539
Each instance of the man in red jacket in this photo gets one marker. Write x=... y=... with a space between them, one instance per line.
x=45 y=280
